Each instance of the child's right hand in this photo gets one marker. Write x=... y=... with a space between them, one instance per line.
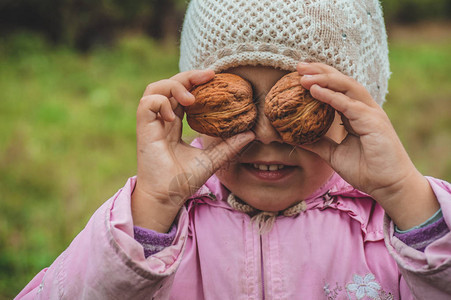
x=169 y=170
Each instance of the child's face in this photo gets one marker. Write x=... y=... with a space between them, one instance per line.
x=302 y=171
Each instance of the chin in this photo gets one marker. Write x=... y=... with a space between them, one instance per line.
x=268 y=200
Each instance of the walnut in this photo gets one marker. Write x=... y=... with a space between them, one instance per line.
x=295 y=114
x=223 y=106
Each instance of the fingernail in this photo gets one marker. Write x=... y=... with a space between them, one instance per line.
x=304 y=63
x=206 y=75
x=206 y=72
x=308 y=75
x=189 y=95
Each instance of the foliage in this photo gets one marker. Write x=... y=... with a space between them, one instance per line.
x=67 y=141
x=409 y=11
x=86 y=23
x=419 y=102
x=67 y=136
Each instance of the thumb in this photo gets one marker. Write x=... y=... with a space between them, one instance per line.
x=228 y=149
x=323 y=148
x=207 y=162
x=204 y=164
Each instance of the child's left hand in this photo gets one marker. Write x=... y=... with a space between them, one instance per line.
x=371 y=158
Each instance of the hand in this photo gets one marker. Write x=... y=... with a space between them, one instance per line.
x=371 y=158
x=169 y=170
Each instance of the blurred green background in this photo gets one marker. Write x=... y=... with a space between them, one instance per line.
x=72 y=73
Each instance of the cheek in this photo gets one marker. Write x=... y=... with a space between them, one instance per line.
x=314 y=168
x=228 y=172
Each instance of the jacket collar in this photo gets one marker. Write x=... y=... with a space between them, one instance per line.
x=334 y=194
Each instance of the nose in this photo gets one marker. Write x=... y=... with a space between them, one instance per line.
x=264 y=131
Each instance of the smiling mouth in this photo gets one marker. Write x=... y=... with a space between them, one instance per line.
x=264 y=167
x=269 y=172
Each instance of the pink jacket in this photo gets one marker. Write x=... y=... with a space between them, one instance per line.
x=334 y=250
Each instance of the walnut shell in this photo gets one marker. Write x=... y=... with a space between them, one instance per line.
x=295 y=114
x=223 y=106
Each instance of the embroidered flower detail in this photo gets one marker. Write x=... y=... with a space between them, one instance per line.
x=332 y=294
x=366 y=286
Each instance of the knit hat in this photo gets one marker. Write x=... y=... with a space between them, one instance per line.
x=346 y=34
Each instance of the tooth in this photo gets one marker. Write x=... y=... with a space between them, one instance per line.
x=281 y=167
x=263 y=167
x=273 y=167
x=256 y=166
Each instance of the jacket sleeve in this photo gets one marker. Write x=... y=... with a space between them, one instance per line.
x=427 y=274
x=105 y=262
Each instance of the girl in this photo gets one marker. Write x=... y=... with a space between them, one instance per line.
x=251 y=217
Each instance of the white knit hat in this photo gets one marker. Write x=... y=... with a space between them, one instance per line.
x=346 y=34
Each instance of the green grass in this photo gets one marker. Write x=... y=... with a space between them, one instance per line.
x=67 y=141
x=67 y=134
x=419 y=103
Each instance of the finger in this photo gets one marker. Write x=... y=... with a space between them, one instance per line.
x=305 y=68
x=324 y=148
x=153 y=105
x=192 y=78
x=350 y=108
x=339 y=82
x=176 y=107
x=170 y=88
x=217 y=154
x=347 y=125
x=327 y=80
x=179 y=111
x=206 y=162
